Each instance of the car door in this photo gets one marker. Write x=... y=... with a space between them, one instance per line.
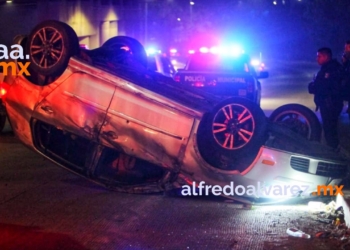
x=78 y=104
x=144 y=125
x=66 y=122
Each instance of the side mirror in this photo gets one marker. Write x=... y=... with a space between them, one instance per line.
x=263 y=74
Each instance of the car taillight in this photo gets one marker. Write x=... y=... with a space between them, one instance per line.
x=177 y=78
x=3 y=90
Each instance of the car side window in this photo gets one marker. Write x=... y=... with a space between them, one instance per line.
x=167 y=66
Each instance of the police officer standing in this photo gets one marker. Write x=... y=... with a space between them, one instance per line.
x=327 y=95
x=346 y=78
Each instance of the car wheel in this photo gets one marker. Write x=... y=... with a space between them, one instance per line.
x=50 y=46
x=130 y=45
x=300 y=119
x=231 y=135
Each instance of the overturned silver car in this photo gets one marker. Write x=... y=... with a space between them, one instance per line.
x=103 y=115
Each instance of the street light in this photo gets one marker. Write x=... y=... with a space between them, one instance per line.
x=191 y=4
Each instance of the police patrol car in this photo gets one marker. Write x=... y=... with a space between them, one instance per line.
x=224 y=76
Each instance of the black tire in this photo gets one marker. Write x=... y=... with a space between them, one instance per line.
x=50 y=46
x=258 y=94
x=231 y=135
x=130 y=45
x=74 y=40
x=299 y=119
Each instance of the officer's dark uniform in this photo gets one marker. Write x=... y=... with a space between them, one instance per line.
x=346 y=80
x=326 y=88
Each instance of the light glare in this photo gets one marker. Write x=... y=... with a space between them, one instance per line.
x=214 y=50
x=236 y=50
x=152 y=51
x=255 y=62
x=204 y=50
x=173 y=51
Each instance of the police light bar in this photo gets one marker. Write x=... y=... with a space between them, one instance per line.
x=152 y=51
x=255 y=62
x=233 y=50
x=191 y=51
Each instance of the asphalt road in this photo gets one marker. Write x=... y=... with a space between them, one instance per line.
x=286 y=84
x=45 y=207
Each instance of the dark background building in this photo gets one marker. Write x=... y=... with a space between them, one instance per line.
x=279 y=28
x=94 y=21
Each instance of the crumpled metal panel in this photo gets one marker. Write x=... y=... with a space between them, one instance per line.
x=22 y=99
x=20 y=103
x=141 y=141
x=78 y=105
x=154 y=86
x=143 y=127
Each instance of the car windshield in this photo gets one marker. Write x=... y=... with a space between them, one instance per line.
x=212 y=62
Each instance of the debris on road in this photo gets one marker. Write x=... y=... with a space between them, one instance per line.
x=323 y=234
x=297 y=233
